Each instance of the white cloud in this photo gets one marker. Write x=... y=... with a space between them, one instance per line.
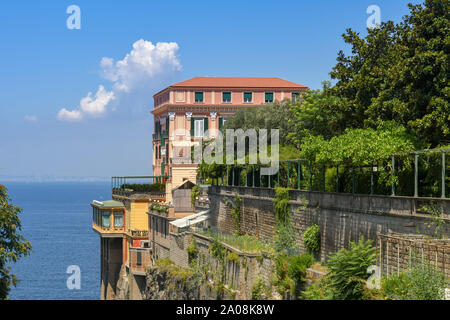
x=142 y=67
x=66 y=115
x=88 y=106
x=96 y=106
x=145 y=61
x=31 y=118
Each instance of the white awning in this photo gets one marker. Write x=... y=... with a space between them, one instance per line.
x=191 y=220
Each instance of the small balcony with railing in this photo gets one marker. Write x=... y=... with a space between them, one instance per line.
x=108 y=218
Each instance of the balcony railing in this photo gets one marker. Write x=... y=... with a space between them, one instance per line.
x=152 y=186
x=139 y=233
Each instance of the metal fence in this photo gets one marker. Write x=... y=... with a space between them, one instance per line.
x=416 y=174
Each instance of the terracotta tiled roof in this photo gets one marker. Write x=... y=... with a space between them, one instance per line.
x=233 y=82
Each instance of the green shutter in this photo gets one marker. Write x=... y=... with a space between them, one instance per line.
x=205 y=125
x=220 y=123
x=199 y=97
x=167 y=125
x=269 y=97
x=192 y=126
x=167 y=153
x=226 y=96
x=159 y=152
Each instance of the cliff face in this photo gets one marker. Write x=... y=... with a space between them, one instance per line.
x=174 y=283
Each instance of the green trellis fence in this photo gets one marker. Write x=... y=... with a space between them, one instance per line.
x=416 y=174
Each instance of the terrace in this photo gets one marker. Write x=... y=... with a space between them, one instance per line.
x=151 y=186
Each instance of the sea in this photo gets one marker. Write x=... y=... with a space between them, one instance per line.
x=57 y=220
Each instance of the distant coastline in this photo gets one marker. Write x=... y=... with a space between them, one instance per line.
x=42 y=179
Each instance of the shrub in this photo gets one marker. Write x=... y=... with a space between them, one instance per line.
x=311 y=238
x=297 y=266
x=285 y=240
x=319 y=290
x=281 y=205
x=192 y=250
x=233 y=256
x=260 y=290
x=348 y=270
x=290 y=271
x=195 y=192
x=419 y=282
x=163 y=262
x=155 y=187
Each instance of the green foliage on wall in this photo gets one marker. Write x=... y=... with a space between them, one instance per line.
x=311 y=238
x=192 y=250
x=195 y=193
x=235 y=205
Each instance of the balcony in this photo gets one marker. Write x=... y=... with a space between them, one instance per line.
x=139 y=233
x=108 y=218
x=150 y=186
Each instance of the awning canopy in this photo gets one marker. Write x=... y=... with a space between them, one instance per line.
x=108 y=204
x=191 y=220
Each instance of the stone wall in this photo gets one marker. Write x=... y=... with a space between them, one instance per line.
x=342 y=217
x=239 y=276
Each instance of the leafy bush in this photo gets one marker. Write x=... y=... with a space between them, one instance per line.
x=348 y=270
x=319 y=290
x=233 y=256
x=155 y=206
x=420 y=282
x=259 y=290
x=192 y=250
x=290 y=272
x=285 y=240
x=195 y=192
x=155 y=187
x=281 y=205
x=311 y=238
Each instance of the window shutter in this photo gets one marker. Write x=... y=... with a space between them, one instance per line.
x=220 y=123
x=269 y=97
x=205 y=125
x=167 y=125
x=167 y=153
x=192 y=126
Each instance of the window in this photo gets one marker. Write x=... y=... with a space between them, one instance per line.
x=198 y=97
x=295 y=97
x=106 y=222
x=247 y=97
x=118 y=219
x=138 y=258
x=226 y=97
x=269 y=97
x=199 y=128
x=222 y=121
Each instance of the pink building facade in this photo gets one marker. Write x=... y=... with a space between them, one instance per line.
x=183 y=112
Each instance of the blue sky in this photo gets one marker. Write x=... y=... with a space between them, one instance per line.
x=46 y=67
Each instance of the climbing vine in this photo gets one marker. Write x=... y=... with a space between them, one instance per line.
x=235 y=205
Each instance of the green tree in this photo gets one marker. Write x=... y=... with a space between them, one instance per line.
x=12 y=244
x=399 y=72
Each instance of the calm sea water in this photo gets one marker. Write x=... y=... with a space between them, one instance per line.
x=56 y=219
